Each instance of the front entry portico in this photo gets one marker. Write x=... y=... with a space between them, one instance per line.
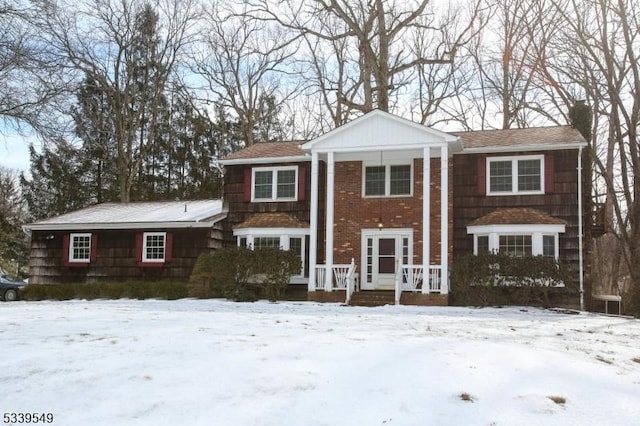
x=383 y=250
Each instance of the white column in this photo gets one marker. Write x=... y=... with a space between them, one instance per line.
x=444 y=218
x=313 y=238
x=426 y=213
x=329 y=221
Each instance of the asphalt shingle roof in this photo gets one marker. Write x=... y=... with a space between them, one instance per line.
x=268 y=150
x=517 y=216
x=516 y=137
x=272 y=220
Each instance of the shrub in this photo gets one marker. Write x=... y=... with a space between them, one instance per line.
x=238 y=273
x=499 y=279
x=111 y=290
x=277 y=266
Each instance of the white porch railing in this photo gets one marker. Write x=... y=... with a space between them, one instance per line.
x=411 y=278
x=351 y=281
x=343 y=277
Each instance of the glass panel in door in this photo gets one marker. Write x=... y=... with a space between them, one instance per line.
x=386 y=255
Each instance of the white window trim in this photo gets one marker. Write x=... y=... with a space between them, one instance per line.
x=283 y=233
x=72 y=259
x=535 y=231
x=387 y=178
x=514 y=174
x=274 y=184
x=144 y=247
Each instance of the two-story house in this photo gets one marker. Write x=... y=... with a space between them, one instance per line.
x=383 y=203
x=380 y=205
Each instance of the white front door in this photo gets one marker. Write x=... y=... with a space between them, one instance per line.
x=382 y=252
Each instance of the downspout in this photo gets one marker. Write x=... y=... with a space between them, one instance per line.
x=580 y=231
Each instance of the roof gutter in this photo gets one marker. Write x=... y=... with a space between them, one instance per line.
x=519 y=148
x=266 y=160
x=116 y=225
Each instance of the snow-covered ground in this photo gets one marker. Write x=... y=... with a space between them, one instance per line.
x=212 y=362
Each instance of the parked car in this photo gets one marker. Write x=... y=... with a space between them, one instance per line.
x=10 y=288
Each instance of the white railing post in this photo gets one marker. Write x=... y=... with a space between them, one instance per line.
x=350 y=281
x=398 y=284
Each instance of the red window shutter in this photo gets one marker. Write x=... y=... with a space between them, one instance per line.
x=302 y=180
x=482 y=175
x=168 y=248
x=246 y=196
x=549 y=174
x=94 y=248
x=65 y=249
x=139 y=245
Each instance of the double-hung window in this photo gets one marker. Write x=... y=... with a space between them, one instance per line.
x=275 y=184
x=387 y=180
x=80 y=248
x=154 y=246
x=515 y=175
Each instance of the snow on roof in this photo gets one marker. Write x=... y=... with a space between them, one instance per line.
x=177 y=214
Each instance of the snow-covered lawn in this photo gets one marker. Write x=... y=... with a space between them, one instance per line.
x=212 y=362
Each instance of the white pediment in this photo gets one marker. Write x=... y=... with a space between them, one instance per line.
x=379 y=130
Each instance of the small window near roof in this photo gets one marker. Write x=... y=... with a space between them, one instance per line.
x=80 y=248
x=515 y=175
x=275 y=183
x=387 y=180
x=154 y=246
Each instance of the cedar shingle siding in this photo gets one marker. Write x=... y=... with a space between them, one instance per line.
x=116 y=256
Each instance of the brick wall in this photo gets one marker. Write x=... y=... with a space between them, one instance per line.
x=353 y=212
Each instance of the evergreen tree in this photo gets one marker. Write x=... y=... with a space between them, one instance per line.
x=58 y=181
x=14 y=244
x=92 y=116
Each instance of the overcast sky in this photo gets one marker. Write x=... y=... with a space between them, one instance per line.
x=14 y=152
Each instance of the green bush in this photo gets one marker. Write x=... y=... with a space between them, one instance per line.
x=111 y=290
x=498 y=279
x=277 y=266
x=239 y=273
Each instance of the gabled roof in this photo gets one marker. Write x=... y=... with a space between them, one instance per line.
x=272 y=220
x=534 y=138
x=137 y=215
x=377 y=130
x=270 y=152
x=517 y=216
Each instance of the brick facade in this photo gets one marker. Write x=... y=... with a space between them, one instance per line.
x=353 y=212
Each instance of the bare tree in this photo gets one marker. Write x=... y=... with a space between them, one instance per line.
x=507 y=59
x=371 y=34
x=104 y=40
x=30 y=80
x=244 y=63
x=598 y=56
